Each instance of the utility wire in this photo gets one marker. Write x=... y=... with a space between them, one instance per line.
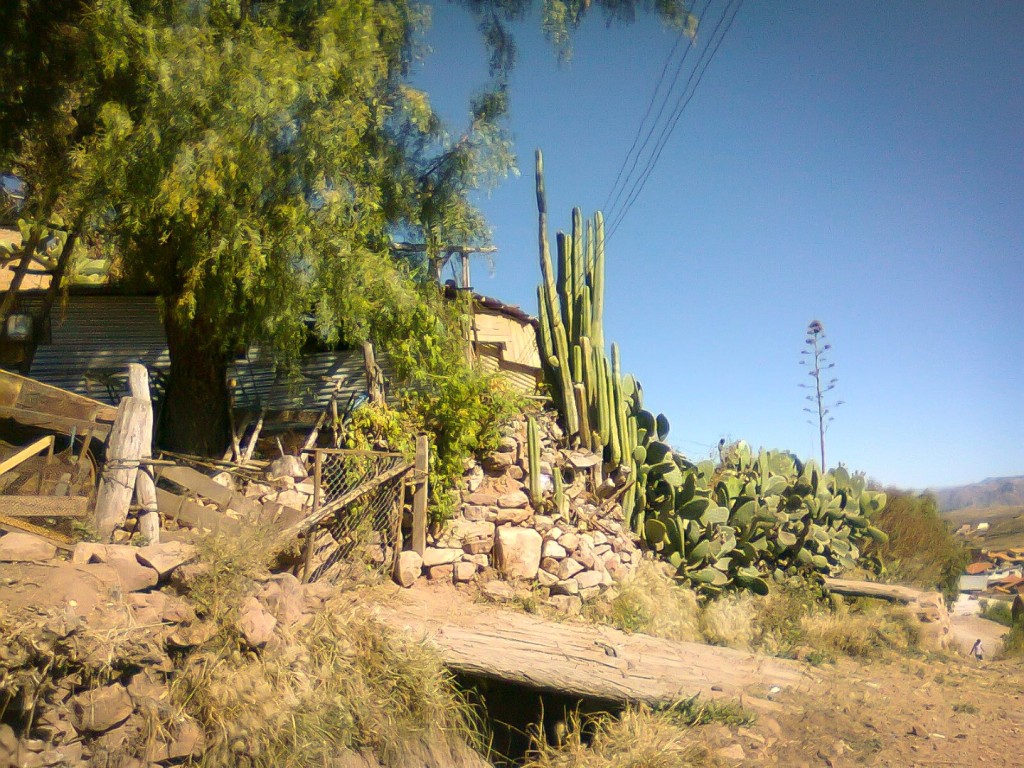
x=681 y=103
x=610 y=203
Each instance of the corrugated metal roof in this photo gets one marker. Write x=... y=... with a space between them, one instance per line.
x=95 y=338
x=319 y=377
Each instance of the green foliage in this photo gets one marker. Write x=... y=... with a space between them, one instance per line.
x=998 y=611
x=460 y=408
x=921 y=549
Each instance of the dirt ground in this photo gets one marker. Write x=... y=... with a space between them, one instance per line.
x=903 y=711
x=935 y=709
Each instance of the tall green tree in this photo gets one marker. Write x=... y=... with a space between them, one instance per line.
x=249 y=161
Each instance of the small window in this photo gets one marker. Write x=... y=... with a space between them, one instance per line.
x=19 y=327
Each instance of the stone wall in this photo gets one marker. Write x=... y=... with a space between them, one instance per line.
x=573 y=554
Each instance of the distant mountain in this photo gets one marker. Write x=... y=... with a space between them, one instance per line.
x=991 y=492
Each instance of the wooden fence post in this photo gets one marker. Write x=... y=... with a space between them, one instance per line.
x=124 y=448
x=145 y=485
x=419 y=499
x=374 y=375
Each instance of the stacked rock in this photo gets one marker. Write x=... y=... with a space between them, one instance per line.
x=573 y=553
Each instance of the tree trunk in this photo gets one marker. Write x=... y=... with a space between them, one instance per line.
x=194 y=418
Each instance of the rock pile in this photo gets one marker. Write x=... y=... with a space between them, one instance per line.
x=573 y=553
x=89 y=643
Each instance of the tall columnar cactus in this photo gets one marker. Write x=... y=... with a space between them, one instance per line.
x=533 y=459
x=752 y=519
x=601 y=408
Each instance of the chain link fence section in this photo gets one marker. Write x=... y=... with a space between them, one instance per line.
x=362 y=494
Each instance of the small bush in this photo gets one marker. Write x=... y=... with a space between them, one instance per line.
x=730 y=621
x=921 y=549
x=1013 y=642
x=999 y=611
x=866 y=629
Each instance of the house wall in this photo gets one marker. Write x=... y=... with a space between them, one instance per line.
x=518 y=336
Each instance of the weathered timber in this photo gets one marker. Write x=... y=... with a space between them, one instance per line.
x=194 y=515
x=145 y=484
x=251 y=446
x=586 y=660
x=374 y=375
x=13 y=525
x=891 y=592
x=36 y=404
x=204 y=486
x=44 y=506
x=420 y=495
x=26 y=453
x=122 y=466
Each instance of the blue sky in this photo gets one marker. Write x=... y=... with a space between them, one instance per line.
x=857 y=163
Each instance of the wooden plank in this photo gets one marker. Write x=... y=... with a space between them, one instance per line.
x=194 y=515
x=145 y=483
x=204 y=486
x=12 y=525
x=33 y=395
x=44 y=506
x=124 y=449
x=420 y=495
x=66 y=425
x=586 y=660
x=26 y=453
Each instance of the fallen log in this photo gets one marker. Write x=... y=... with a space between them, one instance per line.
x=928 y=607
x=891 y=592
x=588 y=661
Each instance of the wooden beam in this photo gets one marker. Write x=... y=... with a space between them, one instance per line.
x=13 y=525
x=44 y=506
x=31 y=395
x=420 y=495
x=194 y=515
x=26 y=453
x=586 y=660
x=891 y=592
x=145 y=483
x=121 y=467
x=57 y=423
x=204 y=486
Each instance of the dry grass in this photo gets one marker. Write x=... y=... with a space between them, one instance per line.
x=341 y=682
x=639 y=738
x=792 y=620
x=650 y=602
x=729 y=621
x=864 y=629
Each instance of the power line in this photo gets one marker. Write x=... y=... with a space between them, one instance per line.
x=681 y=103
x=650 y=105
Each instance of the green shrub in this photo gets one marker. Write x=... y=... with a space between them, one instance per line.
x=921 y=549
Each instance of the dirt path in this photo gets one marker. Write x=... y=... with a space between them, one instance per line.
x=923 y=711
x=968 y=628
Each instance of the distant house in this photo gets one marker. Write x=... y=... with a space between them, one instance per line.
x=973 y=584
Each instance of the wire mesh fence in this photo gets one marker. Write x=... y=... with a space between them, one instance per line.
x=357 y=509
